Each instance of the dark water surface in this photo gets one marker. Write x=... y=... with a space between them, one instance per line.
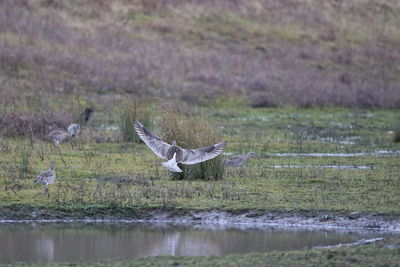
x=78 y=241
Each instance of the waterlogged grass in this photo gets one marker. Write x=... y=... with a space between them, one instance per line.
x=129 y=175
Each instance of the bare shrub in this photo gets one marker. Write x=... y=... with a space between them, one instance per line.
x=263 y=100
x=193 y=132
x=32 y=125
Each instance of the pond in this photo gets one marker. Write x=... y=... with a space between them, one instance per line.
x=82 y=241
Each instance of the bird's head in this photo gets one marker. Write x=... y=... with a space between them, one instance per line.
x=251 y=154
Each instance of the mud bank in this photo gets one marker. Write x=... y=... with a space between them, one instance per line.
x=310 y=220
x=297 y=219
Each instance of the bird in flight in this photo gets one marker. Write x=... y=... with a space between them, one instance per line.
x=173 y=153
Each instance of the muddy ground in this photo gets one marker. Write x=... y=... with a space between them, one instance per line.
x=297 y=219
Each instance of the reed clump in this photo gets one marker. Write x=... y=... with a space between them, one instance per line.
x=130 y=112
x=25 y=161
x=396 y=134
x=192 y=132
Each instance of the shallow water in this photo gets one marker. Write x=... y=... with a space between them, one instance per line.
x=338 y=167
x=78 y=241
x=344 y=155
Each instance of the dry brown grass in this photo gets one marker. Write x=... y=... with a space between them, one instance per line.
x=32 y=125
x=303 y=53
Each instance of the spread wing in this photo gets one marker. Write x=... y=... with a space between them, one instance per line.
x=194 y=156
x=159 y=147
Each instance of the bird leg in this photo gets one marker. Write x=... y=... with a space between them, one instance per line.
x=46 y=190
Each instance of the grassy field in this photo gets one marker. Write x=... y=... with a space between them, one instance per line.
x=129 y=174
x=284 y=79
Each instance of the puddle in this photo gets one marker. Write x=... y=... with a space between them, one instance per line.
x=109 y=127
x=348 y=167
x=343 y=155
x=79 y=241
x=341 y=125
x=341 y=141
x=252 y=118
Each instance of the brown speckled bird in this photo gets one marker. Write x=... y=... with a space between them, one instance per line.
x=46 y=177
x=239 y=160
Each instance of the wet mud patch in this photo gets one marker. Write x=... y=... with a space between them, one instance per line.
x=356 y=221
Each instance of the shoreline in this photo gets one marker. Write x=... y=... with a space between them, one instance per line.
x=312 y=220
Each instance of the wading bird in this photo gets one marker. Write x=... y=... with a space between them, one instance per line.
x=239 y=160
x=74 y=129
x=85 y=115
x=46 y=177
x=175 y=154
x=60 y=135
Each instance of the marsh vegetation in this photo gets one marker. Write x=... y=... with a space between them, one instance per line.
x=129 y=174
x=279 y=78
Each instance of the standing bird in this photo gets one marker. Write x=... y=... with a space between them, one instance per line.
x=239 y=160
x=59 y=136
x=175 y=154
x=46 y=177
x=74 y=129
x=85 y=115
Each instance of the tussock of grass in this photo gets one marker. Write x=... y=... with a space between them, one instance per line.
x=396 y=132
x=396 y=137
x=26 y=153
x=131 y=111
x=193 y=132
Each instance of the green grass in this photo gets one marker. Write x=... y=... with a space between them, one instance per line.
x=130 y=112
x=130 y=175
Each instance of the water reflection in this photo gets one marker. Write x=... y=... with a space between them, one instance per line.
x=103 y=241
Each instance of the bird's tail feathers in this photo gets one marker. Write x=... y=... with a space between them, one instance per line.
x=172 y=165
